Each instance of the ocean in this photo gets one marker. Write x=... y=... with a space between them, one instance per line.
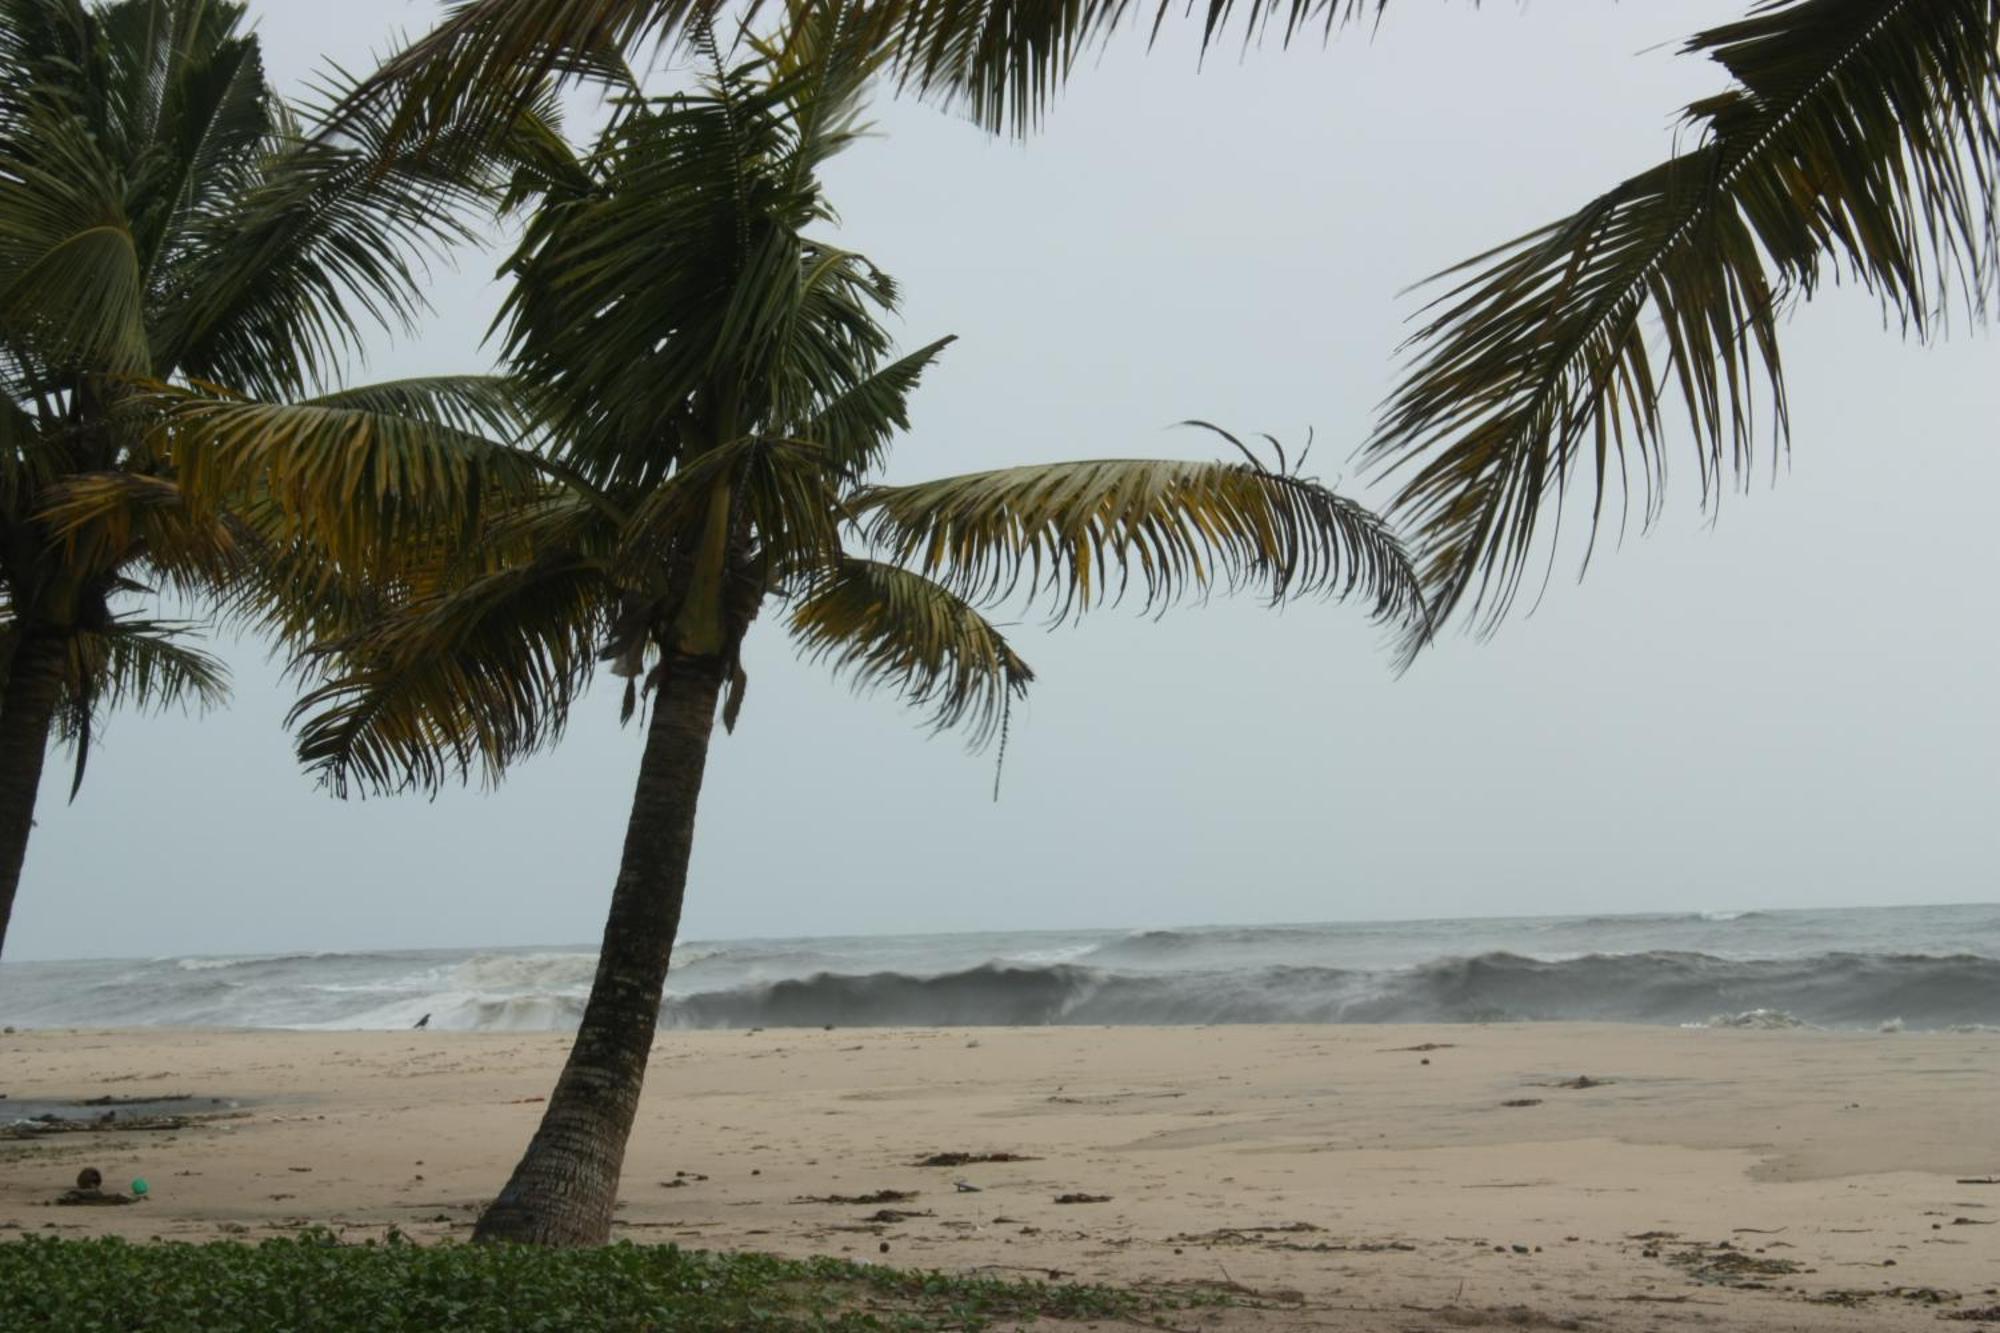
x=1920 y=968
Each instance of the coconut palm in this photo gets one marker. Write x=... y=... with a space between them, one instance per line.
x=1856 y=136
x=166 y=220
x=716 y=393
x=1858 y=139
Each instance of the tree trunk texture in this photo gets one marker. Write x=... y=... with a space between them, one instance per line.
x=564 y=1188
x=27 y=707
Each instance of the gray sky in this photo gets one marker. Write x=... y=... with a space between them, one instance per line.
x=1791 y=707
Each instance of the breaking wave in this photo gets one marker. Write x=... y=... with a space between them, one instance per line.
x=1834 y=990
x=1918 y=969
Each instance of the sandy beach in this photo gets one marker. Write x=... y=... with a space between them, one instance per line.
x=1556 y=1176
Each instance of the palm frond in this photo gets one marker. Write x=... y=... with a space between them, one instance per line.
x=135 y=663
x=107 y=521
x=470 y=678
x=781 y=491
x=881 y=627
x=1003 y=60
x=357 y=471
x=275 y=285
x=857 y=424
x=72 y=286
x=142 y=664
x=1859 y=138
x=1083 y=532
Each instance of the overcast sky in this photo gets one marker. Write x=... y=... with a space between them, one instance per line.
x=1792 y=706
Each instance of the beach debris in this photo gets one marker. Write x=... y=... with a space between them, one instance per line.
x=895 y=1215
x=1083 y=1198
x=878 y=1196
x=40 y=1125
x=1523 y=1101
x=89 y=1191
x=970 y=1158
x=1417 y=1050
x=1721 y=1264
x=1580 y=1082
x=1985 y=1314
x=682 y=1179
x=1981 y=1180
x=965 y=1187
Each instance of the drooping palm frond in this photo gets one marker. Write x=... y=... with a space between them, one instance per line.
x=469 y=679
x=1001 y=59
x=1083 y=532
x=273 y=287
x=72 y=285
x=1859 y=137
x=107 y=521
x=882 y=627
x=143 y=664
x=128 y=662
x=361 y=469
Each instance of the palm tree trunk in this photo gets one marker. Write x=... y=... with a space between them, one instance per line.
x=564 y=1188
x=27 y=707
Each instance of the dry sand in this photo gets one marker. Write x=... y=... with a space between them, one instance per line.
x=1329 y=1169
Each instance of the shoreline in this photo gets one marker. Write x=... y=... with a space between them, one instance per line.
x=1327 y=1162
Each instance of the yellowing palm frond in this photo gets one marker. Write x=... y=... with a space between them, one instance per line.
x=1085 y=531
x=107 y=520
x=882 y=627
x=1858 y=138
x=358 y=470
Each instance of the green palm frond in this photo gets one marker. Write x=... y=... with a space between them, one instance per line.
x=1003 y=60
x=882 y=627
x=471 y=678
x=72 y=286
x=130 y=663
x=142 y=664
x=857 y=424
x=1859 y=138
x=274 y=287
x=677 y=300
x=1083 y=531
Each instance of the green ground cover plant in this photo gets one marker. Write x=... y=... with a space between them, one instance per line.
x=314 y=1282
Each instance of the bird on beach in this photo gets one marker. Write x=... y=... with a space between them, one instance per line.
x=423 y=1022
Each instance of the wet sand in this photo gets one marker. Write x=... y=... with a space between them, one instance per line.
x=1712 y=1180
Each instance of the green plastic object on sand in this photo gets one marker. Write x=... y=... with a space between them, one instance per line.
x=139 y=1186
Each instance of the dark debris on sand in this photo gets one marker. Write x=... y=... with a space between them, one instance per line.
x=970 y=1158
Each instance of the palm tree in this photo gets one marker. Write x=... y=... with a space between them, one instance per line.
x=1859 y=138
x=166 y=220
x=716 y=391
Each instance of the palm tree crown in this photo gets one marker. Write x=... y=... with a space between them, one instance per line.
x=716 y=392
x=166 y=222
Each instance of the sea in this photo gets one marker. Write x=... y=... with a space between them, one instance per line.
x=1914 y=968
